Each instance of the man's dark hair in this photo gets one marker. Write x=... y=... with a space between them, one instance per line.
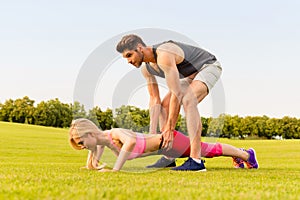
x=129 y=42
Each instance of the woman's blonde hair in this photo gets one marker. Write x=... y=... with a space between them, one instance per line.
x=79 y=128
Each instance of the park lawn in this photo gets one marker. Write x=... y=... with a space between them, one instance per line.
x=38 y=163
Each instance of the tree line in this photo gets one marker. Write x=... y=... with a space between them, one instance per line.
x=57 y=114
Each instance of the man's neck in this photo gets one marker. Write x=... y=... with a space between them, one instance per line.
x=148 y=55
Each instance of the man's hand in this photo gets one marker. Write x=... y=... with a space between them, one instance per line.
x=168 y=139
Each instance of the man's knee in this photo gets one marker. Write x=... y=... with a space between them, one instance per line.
x=189 y=101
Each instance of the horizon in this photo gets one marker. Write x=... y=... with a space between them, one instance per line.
x=182 y=113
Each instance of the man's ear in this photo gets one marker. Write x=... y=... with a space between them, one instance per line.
x=139 y=47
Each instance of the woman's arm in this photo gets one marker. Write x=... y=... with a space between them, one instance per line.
x=94 y=157
x=128 y=139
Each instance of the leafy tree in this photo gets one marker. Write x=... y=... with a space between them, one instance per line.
x=102 y=119
x=205 y=123
x=92 y=115
x=78 y=110
x=181 y=125
x=133 y=118
x=215 y=127
x=6 y=110
x=53 y=113
x=269 y=128
x=253 y=127
x=292 y=129
x=43 y=115
x=23 y=110
x=105 y=119
x=1 y=117
x=248 y=127
x=228 y=127
x=261 y=124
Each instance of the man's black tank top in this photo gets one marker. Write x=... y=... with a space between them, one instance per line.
x=194 y=59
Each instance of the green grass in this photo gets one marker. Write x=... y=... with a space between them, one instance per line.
x=38 y=163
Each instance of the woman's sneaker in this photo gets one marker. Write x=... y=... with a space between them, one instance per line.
x=191 y=165
x=252 y=162
x=238 y=162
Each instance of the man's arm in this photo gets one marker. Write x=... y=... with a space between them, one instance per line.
x=167 y=63
x=155 y=102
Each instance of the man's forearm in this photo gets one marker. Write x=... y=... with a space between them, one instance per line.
x=154 y=117
x=174 y=109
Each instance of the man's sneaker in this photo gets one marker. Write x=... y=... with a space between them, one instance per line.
x=252 y=162
x=162 y=163
x=191 y=165
x=238 y=162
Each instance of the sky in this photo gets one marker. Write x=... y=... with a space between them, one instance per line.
x=44 y=46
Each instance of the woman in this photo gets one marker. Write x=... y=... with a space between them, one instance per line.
x=127 y=145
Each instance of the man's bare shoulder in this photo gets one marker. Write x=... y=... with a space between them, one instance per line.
x=171 y=48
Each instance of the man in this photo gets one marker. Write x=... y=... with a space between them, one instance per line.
x=190 y=73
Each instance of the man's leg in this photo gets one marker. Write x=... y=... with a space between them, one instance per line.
x=168 y=161
x=195 y=93
x=164 y=161
x=194 y=125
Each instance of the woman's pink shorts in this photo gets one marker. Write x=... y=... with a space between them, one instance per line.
x=181 y=148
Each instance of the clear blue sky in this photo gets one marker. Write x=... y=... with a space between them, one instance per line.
x=43 y=45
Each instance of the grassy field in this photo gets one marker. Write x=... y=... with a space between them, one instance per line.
x=38 y=163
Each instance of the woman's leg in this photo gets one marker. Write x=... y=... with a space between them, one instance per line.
x=181 y=148
x=229 y=150
x=211 y=150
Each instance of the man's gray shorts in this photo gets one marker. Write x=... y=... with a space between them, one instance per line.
x=209 y=74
